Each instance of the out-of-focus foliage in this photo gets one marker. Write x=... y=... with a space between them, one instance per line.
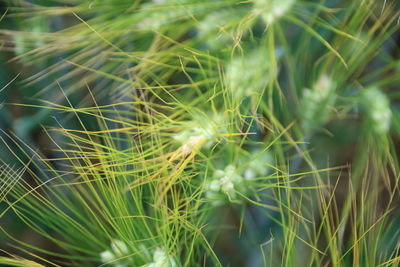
x=199 y=133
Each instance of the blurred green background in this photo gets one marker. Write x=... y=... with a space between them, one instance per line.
x=344 y=136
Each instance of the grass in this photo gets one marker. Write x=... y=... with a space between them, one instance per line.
x=200 y=133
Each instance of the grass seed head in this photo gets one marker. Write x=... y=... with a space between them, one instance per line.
x=162 y=259
x=377 y=106
x=247 y=75
x=224 y=184
x=316 y=103
x=272 y=10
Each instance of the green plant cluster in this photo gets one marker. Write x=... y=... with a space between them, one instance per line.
x=166 y=133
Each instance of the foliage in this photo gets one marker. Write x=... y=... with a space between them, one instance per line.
x=200 y=133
